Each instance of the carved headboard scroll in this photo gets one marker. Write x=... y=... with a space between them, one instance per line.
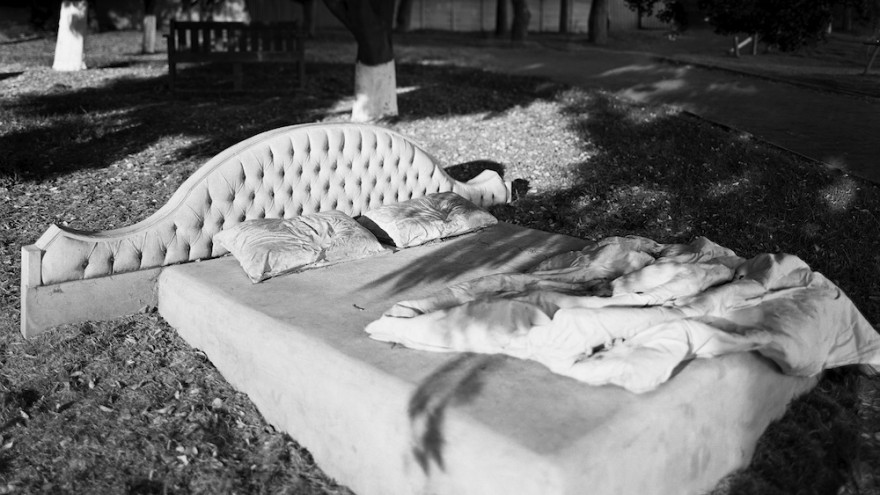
x=278 y=174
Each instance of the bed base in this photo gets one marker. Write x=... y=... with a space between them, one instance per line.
x=385 y=419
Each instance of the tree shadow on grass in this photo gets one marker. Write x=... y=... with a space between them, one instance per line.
x=670 y=177
x=66 y=129
x=8 y=75
x=661 y=174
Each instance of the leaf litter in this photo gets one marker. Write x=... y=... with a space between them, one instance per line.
x=127 y=406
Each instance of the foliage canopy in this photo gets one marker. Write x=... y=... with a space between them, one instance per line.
x=788 y=24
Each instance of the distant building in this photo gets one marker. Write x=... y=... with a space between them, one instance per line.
x=442 y=15
x=464 y=15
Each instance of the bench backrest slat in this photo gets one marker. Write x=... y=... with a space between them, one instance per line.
x=235 y=42
x=213 y=37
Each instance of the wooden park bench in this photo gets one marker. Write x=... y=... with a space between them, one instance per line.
x=236 y=43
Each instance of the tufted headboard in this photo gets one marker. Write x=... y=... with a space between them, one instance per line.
x=277 y=174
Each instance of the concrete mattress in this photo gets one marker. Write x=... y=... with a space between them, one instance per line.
x=384 y=419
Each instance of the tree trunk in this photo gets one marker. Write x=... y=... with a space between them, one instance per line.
x=501 y=18
x=564 y=15
x=875 y=18
x=375 y=92
x=521 y=17
x=404 y=16
x=310 y=11
x=599 y=22
x=149 y=41
x=370 y=22
x=72 y=27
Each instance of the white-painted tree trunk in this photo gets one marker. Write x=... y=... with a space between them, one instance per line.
x=375 y=90
x=149 y=45
x=72 y=27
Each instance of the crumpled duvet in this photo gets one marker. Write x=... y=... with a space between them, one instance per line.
x=628 y=311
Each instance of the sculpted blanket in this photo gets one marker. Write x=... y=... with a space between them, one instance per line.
x=629 y=311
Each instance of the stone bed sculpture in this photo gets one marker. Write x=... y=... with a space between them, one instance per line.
x=375 y=416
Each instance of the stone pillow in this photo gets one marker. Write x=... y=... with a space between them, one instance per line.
x=419 y=220
x=268 y=247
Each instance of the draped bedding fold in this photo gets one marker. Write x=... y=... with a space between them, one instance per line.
x=629 y=311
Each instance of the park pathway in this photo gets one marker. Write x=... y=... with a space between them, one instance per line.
x=839 y=130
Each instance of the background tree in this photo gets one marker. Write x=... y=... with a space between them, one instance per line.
x=149 y=42
x=874 y=12
x=564 y=15
x=309 y=11
x=598 y=22
x=501 y=27
x=72 y=27
x=404 y=15
x=670 y=12
x=788 y=24
x=521 y=18
x=857 y=11
x=375 y=80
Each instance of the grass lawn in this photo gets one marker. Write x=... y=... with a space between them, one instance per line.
x=126 y=406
